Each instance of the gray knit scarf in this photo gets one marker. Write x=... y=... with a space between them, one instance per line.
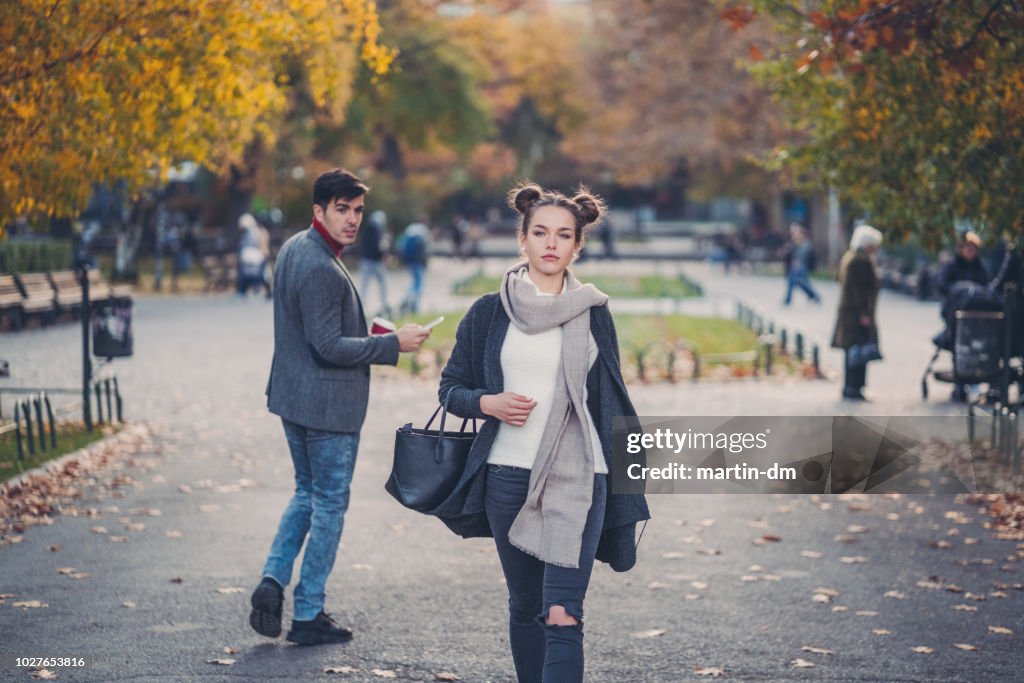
x=550 y=524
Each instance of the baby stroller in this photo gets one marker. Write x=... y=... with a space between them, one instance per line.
x=977 y=333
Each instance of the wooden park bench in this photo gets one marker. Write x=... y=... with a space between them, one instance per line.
x=220 y=271
x=39 y=297
x=69 y=292
x=101 y=290
x=10 y=301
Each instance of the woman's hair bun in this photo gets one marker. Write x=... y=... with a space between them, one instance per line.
x=524 y=195
x=591 y=206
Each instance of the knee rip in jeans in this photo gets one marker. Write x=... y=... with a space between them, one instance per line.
x=558 y=616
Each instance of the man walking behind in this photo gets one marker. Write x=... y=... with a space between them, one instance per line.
x=319 y=386
x=799 y=264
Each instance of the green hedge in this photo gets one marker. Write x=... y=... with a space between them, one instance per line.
x=35 y=256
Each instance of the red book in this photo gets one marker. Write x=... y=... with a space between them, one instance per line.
x=381 y=326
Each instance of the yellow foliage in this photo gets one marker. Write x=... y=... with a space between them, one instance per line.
x=102 y=90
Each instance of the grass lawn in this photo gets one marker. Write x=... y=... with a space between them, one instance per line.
x=631 y=287
x=70 y=437
x=708 y=335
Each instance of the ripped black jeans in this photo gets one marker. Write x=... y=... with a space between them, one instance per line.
x=542 y=653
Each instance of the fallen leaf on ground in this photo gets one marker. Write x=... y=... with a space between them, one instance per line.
x=99 y=530
x=801 y=663
x=817 y=650
x=56 y=548
x=941 y=545
x=974 y=596
x=446 y=676
x=840 y=608
x=211 y=507
x=128 y=604
x=821 y=598
x=713 y=671
x=857 y=529
x=363 y=567
x=66 y=570
x=118 y=539
x=707 y=522
x=853 y=559
x=1002 y=630
x=866 y=613
x=30 y=604
x=222 y=662
x=699 y=585
x=922 y=650
x=709 y=551
x=846 y=538
x=767 y=538
x=229 y=590
x=135 y=526
x=998 y=594
x=953 y=588
x=385 y=673
x=881 y=632
x=965 y=646
x=965 y=608
x=173 y=534
x=674 y=555
x=80 y=575
x=657 y=585
x=177 y=579
x=812 y=554
x=896 y=595
x=44 y=674
x=827 y=591
x=229 y=650
x=929 y=584
x=758 y=524
x=650 y=633
x=340 y=670
x=692 y=596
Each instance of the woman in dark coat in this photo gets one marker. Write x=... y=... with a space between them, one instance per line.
x=539 y=362
x=855 y=324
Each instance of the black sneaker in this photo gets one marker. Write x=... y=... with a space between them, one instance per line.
x=267 y=601
x=319 y=631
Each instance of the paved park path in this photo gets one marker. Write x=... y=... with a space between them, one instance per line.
x=421 y=601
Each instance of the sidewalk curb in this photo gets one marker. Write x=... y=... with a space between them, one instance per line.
x=131 y=433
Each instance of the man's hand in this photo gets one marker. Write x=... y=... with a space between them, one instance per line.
x=865 y=321
x=411 y=336
x=510 y=408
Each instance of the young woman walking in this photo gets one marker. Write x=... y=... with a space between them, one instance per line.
x=539 y=361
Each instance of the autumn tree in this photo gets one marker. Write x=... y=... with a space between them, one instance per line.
x=671 y=98
x=913 y=109
x=103 y=90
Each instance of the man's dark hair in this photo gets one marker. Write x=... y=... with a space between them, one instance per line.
x=337 y=184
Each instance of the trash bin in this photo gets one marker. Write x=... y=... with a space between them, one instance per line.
x=112 y=328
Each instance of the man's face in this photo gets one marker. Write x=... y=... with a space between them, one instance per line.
x=969 y=251
x=342 y=218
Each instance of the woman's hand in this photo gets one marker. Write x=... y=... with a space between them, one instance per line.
x=510 y=408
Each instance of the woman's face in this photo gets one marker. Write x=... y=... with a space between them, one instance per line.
x=550 y=240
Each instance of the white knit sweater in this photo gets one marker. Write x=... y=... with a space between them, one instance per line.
x=530 y=364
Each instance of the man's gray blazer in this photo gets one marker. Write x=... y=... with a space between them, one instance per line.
x=320 y=375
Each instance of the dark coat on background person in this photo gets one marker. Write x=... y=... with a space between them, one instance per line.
x=320 y=376
x=474 y=370
x=858 y=297
x=962 y=270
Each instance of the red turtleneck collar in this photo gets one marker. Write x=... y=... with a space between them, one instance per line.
x=334 y=244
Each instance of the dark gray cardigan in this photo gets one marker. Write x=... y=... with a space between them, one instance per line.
x=474 y=370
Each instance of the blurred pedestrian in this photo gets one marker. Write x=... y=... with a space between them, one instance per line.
x=319 y=384
x=539 y=362
x=373 y=244
x=855 y=323
x=799 y=265
x=253 y=251
x=414 y=247
x=965 y=266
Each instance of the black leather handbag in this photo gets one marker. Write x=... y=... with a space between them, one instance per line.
x=428 y=462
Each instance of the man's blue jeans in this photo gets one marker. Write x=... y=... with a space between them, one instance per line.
x=324 y=462
x=798 y=277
